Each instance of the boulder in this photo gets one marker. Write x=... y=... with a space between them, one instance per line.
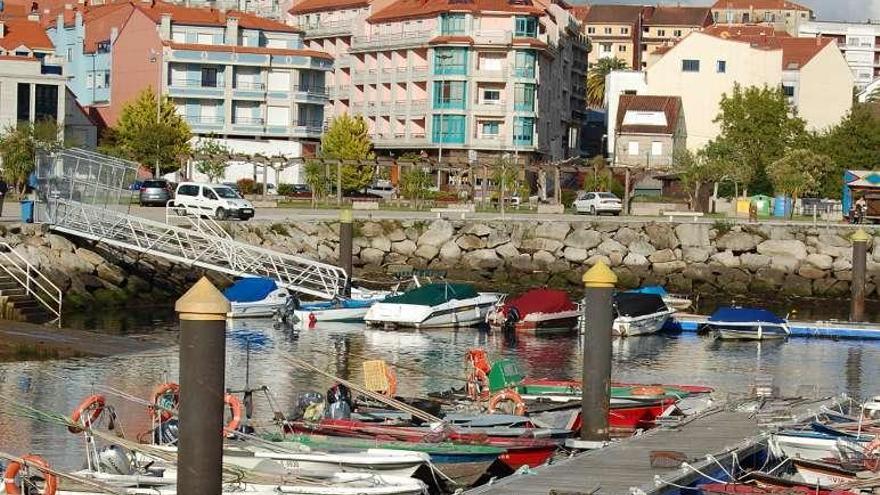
x=381 y=243
x=396 y=235
x=507 y=251
x=575 y=255
x=843 y=275
x=616 y=258
x=325 y=253
x=754 y=262
x=90 y=257
x=634 y=259
x=811 y=272
x=592 y=260
x=641 y=247
x=368 y=229
x=767 y=280
x=696 y=254
x=785 y=264
x=470 y=242
x=834 y=252
x=661 y=235
x=482 y=259
x=553 y=230
x=437 y=234
x=699 y=272
x=627 y=236
x=668 y=267
x=833 y=240
x=496 y=238
x=450 y=252
x=830 y=288
x=738 y=241
x=111 y=274
x=70 y=262
x=405 y=247
x=626 y=278
x=59 y=243
x=662 y=256
x=522 y=262
x=372 y=256
x=584 y=239
x=426 y=251
x=841 y=264
x=726 y=259
x=797 y=286
x=693 y=234
x=820 y=261
x=540 y=244
x=794 y=249
x=478 y=229
x=543 y=260
x=609 y=246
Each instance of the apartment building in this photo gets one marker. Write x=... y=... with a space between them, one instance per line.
x=706 y=65
x=470 y=79
x=632 y=32
x=859 y=42
x=242 y=79
x=781 y=15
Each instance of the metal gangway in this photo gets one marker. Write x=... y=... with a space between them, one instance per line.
x=89 y=195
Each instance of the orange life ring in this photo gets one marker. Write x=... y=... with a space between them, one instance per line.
x=478 y=385
x=235 y=407
x=650 y=391
x=478 y=359
x=508 y=396
x=95 y=404
x=51 y=481
x=392 y=382
x=161 y=390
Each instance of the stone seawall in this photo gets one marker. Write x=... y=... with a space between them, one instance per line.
x=691 y=258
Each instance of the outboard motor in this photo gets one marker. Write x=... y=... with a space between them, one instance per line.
x=511 y=320
x=113 y=459
x=871 y=409
x=285 y=313
x=339 y=403
x=309 y=406
x=167 y=433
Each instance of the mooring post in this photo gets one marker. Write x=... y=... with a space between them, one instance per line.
x=346 y=239
x=859 y=254
x=596 y=375
x=202 y=311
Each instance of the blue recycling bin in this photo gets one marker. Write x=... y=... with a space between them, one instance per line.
x=27 y=211
x=782 y=206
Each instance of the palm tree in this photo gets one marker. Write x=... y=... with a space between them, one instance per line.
x=596 y=79
x=874 y=96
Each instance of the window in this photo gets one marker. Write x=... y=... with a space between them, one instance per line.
x=721 y=66
x=677 y=33
x=523 y=131
x=450 y=61
x=656 y=148
x=624 y=30
x=490 y=128
x=279 y=80
x=524 y=97
x=448 y=129
x=99 y=79
x=633 y=148
x=607 y=30
x=178 y=37
x=729 y=17
x=69 y=54
x=524 y=63
x=209 y=77
x=90 y=80
x=788 y=90
x=107 y=79
x=605 y=47
x=745 y=18
x=591 y=30
x=209 y=194
x=24 y=102
x=279 y=116
x=450 y=94
x=46 y=102
x=452 y=23
x=526 y=27
x=715 y=16
x=621 y=48
x=492 y=96
x=661 y=32
x=188 y=190
x=690 y=65
x=205 y=39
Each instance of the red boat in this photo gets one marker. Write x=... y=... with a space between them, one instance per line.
x=627 y=416
x=746 y=489
x=530 y=452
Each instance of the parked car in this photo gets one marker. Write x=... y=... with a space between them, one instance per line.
x=217 y=200
x=234 y=187
x=155 y=192
x=383 y=188
x=596 y=203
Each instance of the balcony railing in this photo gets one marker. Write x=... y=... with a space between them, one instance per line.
x=195 y=83
x=328 y=28
x=490 y=37
x=248 y=121
x=310 y=126
x=205 y=119
x=490 y=106
x=317 y=91
x=249 y=86
x=500 y=72
x=391 y=40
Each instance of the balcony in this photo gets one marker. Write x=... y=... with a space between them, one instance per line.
x=403 y=107
x=342 y=60
x=500 y=73
x=489 y=37
x=418 y=74
x=495 y=107
x=249 y=90
x=248 y=124
x=524 y=72
x=390 y=41
x=308 y=128
x=194 y=88
x=339 y=92
x=401 y=139
x=328 y=28
x=205 y=123
x=311 y=92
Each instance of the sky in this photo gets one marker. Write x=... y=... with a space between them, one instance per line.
x=847 y=10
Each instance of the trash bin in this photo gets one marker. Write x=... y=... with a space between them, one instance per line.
x=27 y=211
x=763 y=204
x=782 y=206
x=742 y=207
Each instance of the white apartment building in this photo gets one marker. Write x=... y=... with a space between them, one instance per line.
x=859 y=42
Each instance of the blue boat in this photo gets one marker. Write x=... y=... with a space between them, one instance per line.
x=255 y=297
x=738 y=323
x=350 y=309
x=676 y=302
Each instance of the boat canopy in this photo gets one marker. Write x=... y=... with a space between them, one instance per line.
x=545 y=301
x=744 y=315
x=650 y=289
x=637 y=304
x=434 y=294
x=250 y=289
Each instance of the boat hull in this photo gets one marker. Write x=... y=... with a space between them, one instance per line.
x=306 y=316
x=455 y=313
x=805 y=445
x=730 y=331
x=821 y=473
x=628 y=326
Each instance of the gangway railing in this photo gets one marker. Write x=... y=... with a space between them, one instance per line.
x=178 y=215
x=35 y=284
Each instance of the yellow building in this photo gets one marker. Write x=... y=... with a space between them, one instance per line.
x=782 y=15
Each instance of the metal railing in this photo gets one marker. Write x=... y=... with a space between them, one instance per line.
x=249 y=86
x=391 y=40
x=328 y=28
x=179 y=216
x=29 y=277
x=205 y=119
x=319 y=91
x=195 y=83
x=248 y=121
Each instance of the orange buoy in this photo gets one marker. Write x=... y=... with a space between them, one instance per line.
x=236 y=408
x=160 y=410
x=519 y=406
x=50 y=485
x=87 y=412
x=312 y=320
x=392 y=383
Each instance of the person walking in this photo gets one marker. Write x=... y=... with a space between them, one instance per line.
x=4 y=188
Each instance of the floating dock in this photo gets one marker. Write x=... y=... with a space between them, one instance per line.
x=830 y=329
x=713 y=443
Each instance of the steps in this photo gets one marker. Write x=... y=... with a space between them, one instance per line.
x=17 y=305
x=25 y=293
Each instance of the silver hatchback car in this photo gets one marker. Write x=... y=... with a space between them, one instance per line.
x=155 y=192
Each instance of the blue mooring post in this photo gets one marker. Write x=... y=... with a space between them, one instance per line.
x=202 y=312
x=859 y=261
x=599 y=282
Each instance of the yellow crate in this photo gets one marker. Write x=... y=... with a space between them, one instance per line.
x=376 y=375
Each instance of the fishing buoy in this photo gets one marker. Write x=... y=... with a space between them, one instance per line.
x=312 y=320
x=87 y=412
x=50 y=485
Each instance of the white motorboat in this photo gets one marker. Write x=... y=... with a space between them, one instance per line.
x=435 y=305
x=738 y=323
x=639 y=314
x=674 y=301
x=256 y=297
x=810 y=445
x=341 y=310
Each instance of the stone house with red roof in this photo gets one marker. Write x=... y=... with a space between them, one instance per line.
x=649 y=130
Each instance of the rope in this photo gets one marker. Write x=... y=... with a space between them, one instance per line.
x=78 y=479
x=704 y=475
x=402 y=366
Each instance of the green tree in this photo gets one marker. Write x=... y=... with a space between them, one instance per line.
x=596 y=79
x=415 y=182
x=348 y=138
x=799 y=172
x=757 y=128
x=599 y=178
x=315 y=175
x=212 y=158
x=142 y=137
x=694 y=170
x=854 y=143
x=873 y=96
x=19 y=145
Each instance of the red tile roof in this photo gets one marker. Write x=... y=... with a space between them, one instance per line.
x=669 y=105
x=211 y=17
x=99 y=22
x=248 y=49
x=411 y=9
x=735 y=30
x=611 y=14
x=796 y=52
x=679 y=16
x=759 y=5
x=18 y=32
x=308 y=6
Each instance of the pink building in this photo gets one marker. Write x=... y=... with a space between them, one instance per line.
x=468 y=79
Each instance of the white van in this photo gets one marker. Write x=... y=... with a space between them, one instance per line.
x=215 y=200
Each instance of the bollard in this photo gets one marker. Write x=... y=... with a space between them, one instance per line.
x=346 y=235
x=202 y=311
x=860 y=248
x=596 y=375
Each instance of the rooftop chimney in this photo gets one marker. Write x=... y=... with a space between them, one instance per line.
x=165 y=26
x=231 y=35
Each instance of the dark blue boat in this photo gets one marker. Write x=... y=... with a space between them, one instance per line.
x=738 y=323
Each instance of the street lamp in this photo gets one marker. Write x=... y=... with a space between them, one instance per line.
x=154 y=58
